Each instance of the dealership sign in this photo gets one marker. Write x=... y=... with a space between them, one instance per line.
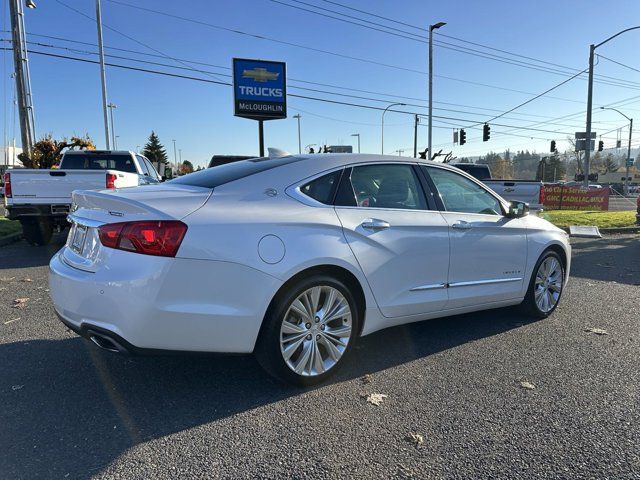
x=562 y=197
x=259 y=89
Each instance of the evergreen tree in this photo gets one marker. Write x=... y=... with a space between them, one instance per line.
x=154 y=150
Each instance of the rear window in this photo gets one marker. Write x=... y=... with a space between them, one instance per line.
x=215 y=176
x=123 y=163
x=480 y=172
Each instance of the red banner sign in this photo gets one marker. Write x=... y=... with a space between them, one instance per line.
x=562 y=197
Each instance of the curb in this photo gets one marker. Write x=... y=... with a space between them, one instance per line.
x=9 y=239
x=612 y=231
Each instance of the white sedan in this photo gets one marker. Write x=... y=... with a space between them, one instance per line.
x=294 y=258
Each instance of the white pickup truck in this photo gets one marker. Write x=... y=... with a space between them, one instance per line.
x=528 y=191
x=41 y=199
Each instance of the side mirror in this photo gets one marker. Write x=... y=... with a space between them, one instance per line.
x=518 y=209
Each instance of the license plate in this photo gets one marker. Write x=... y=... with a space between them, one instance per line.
x=79 y=237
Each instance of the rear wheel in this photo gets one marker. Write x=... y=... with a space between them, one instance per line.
x=37 y=231
x=545 y=287
x=308 y=331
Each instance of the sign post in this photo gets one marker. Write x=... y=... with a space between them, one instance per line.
x=259 y=92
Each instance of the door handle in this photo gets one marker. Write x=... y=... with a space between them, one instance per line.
x=374 y=224
x=461 y=225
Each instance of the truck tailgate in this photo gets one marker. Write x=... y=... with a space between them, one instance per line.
x=53 y=186
x=522 y=191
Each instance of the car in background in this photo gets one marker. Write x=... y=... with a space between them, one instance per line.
x=294 y=259
x=217 y=160
x=41 y=199
x=528 y=191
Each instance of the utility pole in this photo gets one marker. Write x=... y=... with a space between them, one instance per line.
x=431 y=29
x=103 y=74
x=298 y=117
x=111 y=106
x=23 y=79
x=415 y=136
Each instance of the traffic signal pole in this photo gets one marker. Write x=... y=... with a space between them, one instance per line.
x=415 y=137
x=587 y=150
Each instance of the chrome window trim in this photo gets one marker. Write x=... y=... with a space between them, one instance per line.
x=484 y=282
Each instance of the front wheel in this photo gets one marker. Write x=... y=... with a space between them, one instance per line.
x=308 y=331
x=545 y=287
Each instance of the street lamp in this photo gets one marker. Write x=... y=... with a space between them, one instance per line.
x=626 y=178
x=357 y=135
x=115 y=142
x=175 y=153
x=587 y=152
x=298 y=117
x=30 y=4
x=431 y=29
x=385 y=111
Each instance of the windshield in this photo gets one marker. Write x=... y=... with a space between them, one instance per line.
x=123 y=163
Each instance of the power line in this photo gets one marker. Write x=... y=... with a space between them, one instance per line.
x=449 y=46
x=618 y=63
x=305 y=47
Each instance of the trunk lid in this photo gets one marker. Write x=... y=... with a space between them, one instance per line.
x=90 y=209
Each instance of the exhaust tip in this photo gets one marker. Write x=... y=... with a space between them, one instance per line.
x=106 y=343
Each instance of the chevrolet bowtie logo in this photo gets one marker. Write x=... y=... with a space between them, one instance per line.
x=260 y=74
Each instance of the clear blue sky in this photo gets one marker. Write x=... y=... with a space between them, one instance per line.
x=199 y=115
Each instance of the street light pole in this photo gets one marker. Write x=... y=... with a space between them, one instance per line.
x=111 y=106
x=431 y=29
x=587 y=152
x=103 y=74
x=382 y=124
x=298 y=117
x=357 y=135
x=175 y=154
x=626 y=178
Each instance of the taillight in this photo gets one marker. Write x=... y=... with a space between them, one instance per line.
x=541 y=198
x=111 y=180
x=161 y=238
x=7 y=185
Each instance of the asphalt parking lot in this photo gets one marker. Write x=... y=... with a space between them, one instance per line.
x=68 y=410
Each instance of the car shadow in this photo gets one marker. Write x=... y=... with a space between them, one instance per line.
x=608 y=259
x=70 y=409
x=23 y=255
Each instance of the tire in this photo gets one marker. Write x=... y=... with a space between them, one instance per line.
x=552 y=283
x=37 y=231
x=289 y=330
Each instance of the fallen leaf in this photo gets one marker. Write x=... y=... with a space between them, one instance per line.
x=20 y=302
x=415 y=438
x=368 y=378
x=16 y=387
x=11 y=321
x=597 y=331
x=376 y=398
x=527 y=385
x=27 y=280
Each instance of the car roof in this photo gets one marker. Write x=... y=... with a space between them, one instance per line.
x=98 y=152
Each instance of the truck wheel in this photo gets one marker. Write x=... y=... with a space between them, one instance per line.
x=37 y=232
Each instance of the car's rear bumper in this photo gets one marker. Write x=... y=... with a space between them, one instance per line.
x=148 y=304
x=16 y=212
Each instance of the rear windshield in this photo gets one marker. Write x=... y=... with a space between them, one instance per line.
x=123 y=163
x=481 y=172
x=215 y=176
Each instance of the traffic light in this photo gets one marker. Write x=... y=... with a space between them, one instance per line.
x=553 y=146
x=600 y=145
x=463 y=136
x=486 y=132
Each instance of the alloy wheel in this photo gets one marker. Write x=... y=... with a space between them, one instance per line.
x=315 y=330
x=548 y=284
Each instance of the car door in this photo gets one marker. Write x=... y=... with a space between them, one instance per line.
x=397 y=235
x=488 y=249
